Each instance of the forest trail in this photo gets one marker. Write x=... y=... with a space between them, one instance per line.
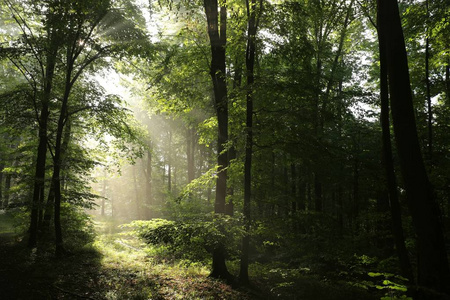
x=117 y=265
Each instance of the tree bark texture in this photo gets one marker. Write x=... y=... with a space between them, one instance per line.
x=388 y=164
x=218 y=37
x=433 y=270
x=149 y=186
x=250 y=65
x=39 y=175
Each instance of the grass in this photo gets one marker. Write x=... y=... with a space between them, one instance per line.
x=117 y=265
x=6 y=223
x=138 y=271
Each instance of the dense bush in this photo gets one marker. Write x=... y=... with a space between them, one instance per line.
x=193 y=240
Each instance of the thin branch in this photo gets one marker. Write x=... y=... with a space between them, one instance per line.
x=23 y=25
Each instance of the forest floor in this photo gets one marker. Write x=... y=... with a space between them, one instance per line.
x=118 y=266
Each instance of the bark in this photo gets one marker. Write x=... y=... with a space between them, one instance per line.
x=2 y=167
x=169 y=162
x=302 y=195
x=48 y=212
x=149 y=186
x=39 y=175
x=388 y=164
x=8 y=178
x=428 y=91
x=447 y=81
x=355 y=185
x=190 y=151
x=49 y=207
x=293 y=189
x=340 y=205
x=229 y=205
x=318 y=205
x=250 y=65
x=433 y=270
x=58 y=157
x=136 y=194
x=103 y=198
x=217 y=36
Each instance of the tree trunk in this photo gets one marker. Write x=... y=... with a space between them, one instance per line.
x=388 y=164
x=250 y=64
x=190 y=151
x=340 y=210
x=217 y=36
x=293 y=189
x=149 y=192
x=136 y=193
x=2 y=167
x=103 y=197
x=355 y=186
x=169 y=162
x=39 y=175
x=229 y=205
x=57 y=160
x=433 y=270
x=428 y=91
x=318 y=205
x=8 y=178
x=447 y=81
x=49 y=207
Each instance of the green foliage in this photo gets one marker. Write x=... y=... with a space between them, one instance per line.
x=192 y=240
x=394 y=289
x=78 y=227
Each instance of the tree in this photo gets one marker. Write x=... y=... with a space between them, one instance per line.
x=388 y=164
x=433 y=270
x=217 y=32
x=250 y=54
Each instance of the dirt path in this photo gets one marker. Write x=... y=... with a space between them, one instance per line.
x=118 y=266
x=115 y=267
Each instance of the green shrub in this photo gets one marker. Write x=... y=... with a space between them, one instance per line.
x=192 y=240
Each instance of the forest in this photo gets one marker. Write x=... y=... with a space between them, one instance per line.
x=224 y=149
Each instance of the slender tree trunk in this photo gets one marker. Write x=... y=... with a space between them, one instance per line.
x=318 y=204
x=8 y=178
x=229 y=205
x=217 y=26
x=190 y=153
x=293 y=188
x=48 y=213
x=250 y=65
x=272 y=183
x=2 y=167
x=433 y=270
x=169 y=163
x=447 y=81
x=60 y=146
x=309 y=194
x=46 y=216
x=39 y=175
x=302 y=195
x=57 y=160
x=149 y=186
x=428 y=89
x=388 y=163
x=340 y=205
x=136 y=193
x=103 y=196
x=355 y=186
